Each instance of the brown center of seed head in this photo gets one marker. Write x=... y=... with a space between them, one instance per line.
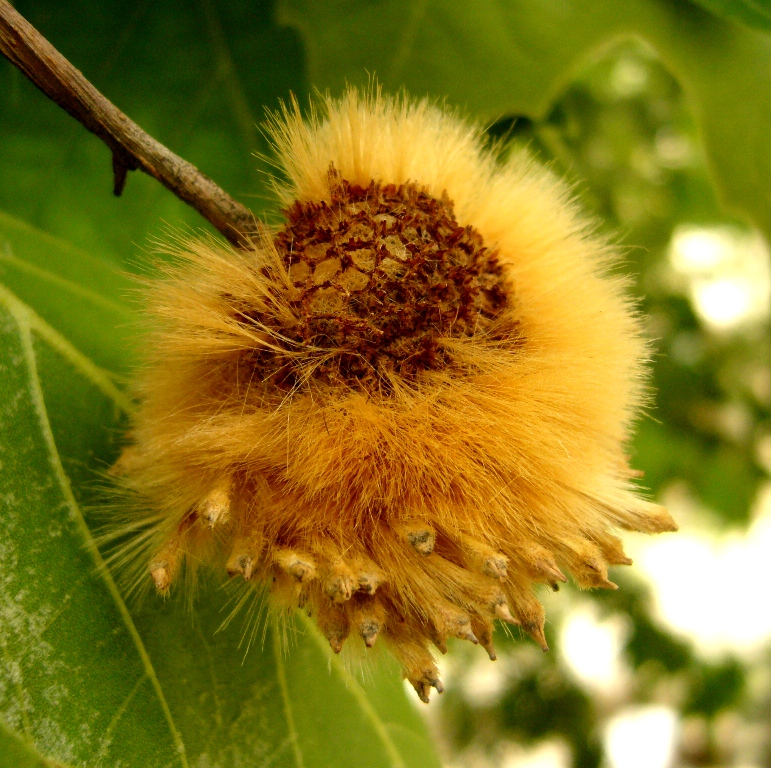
x=381 y=274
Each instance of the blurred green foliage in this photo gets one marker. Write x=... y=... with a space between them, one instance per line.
x=753 y=13
x=641 y=126
x=606 y=134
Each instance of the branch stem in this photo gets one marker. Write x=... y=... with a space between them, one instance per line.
x=131 y=147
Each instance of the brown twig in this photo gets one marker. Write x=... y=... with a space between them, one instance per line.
x=131 y=147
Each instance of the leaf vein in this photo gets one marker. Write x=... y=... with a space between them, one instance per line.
x=20 y=225
x=281 y=674
x=7 y=256
x=107 y=736
x=30 y=320
x=22 y=316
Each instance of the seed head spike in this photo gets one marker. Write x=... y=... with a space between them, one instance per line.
x=299 y=565
x=613 y=551
x=536 y=632
x=241 y=563
x=530 y=614
x=502 y=612
x=369 y=617
x=496 y=567
x=164 y=564
x=541 y=566
x=483 y=558
x=440 y=642
x=244 y=554
x=451 y=621
x=215 y=508
x=162 y=572
x=334 y=623
x=648 y=518
x=368 y=575
x=421 y=538
x=340 y=582
x=483 y=629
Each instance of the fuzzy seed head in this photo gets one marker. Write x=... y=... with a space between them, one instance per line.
x=403 y=409
x=381 y=274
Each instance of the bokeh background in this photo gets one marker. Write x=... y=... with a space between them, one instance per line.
x=673 y=669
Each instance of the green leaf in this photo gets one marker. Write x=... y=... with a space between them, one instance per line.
x=81 y=295
x=753 y=13
x=74 y=666
x=273 y=704
x=502 y=57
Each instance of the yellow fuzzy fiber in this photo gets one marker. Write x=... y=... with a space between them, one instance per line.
x=426 y=498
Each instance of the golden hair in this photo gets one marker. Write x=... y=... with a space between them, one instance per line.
x=404 y=407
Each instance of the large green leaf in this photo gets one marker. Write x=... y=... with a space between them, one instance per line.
x=501 y=57
x=76 y=680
